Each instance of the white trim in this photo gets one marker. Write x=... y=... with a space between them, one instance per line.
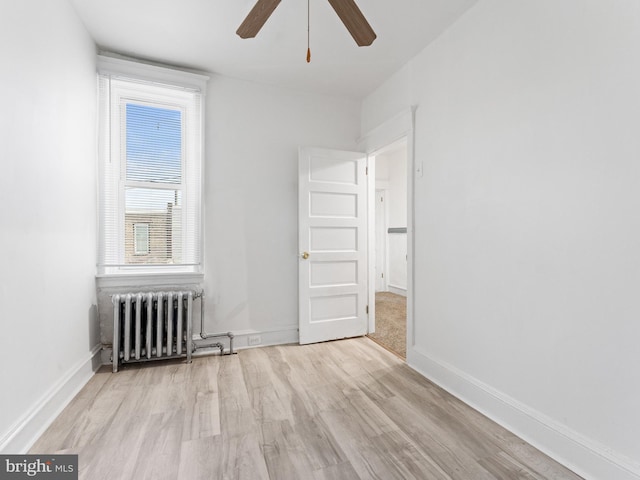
x=397 y=290
x=371 y=243
x=27 y=429
x=271 y=336
x=584 y=456
x=136 y=279
x=388 y=131
x=411 y=174
x=120 y=67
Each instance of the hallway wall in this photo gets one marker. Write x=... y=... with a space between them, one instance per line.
x=526 y=224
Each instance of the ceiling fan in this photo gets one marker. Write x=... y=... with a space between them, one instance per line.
x=347 y=10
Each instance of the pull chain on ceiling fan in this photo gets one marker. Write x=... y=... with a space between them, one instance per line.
x=347 y=10
x=308 y=31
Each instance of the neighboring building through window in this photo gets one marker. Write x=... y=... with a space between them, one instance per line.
x=150 y=169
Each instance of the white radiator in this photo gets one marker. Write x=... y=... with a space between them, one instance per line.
x=152 y=326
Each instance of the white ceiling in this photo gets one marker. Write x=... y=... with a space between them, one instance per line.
x=200 y=34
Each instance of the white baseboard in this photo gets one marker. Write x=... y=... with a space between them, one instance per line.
x=397 y=290
x=274 y=336
x=584 y=456
x=27 y=429
x=242 y=338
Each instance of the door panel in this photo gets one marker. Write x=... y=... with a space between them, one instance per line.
x=328 y=274
x=333 y=242
x=333 y=205
x=334 y=307
x=328 y=170
x=333 y=239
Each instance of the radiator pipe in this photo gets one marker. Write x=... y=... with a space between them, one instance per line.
x=213 y=345
x=205 y=336
x=201 y=313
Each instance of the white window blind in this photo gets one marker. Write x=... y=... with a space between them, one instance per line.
x=150 y=170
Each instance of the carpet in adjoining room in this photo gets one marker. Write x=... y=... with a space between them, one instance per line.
x=391 y=322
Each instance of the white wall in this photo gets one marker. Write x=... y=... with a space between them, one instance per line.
x=47 y=187
x=251 y=188
x=387 y=101
x=527 y=230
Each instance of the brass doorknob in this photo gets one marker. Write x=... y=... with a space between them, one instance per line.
x=305 y=255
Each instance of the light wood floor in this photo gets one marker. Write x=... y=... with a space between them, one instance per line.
x=340 y=410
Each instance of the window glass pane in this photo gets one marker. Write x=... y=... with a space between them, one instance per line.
x=154 y=144
x=161 y=211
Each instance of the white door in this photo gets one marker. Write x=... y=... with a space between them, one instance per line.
x=332 y=238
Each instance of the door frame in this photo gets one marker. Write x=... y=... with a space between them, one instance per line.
x=389 y=132
x=381 y=253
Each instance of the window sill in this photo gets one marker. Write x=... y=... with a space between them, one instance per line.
x=148 y=279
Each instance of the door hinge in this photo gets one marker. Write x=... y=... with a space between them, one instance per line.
x=366 y=170
x=367 y=309
x=382 y=275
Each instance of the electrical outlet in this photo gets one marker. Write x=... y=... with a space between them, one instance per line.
x=254 y=340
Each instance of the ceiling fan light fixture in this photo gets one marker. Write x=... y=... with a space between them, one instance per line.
x=354 y=20
x=256 y=18
x=308 y=31
x=347 y=11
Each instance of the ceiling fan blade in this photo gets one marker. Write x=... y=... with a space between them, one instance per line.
x=355 y=22
x=257 y=17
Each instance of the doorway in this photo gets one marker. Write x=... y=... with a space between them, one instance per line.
x=391 y=219
x=331 y=222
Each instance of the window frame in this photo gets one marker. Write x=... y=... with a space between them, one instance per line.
x=122 y=81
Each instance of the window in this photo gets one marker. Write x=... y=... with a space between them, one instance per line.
x=150 y=168
x=141 y=238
